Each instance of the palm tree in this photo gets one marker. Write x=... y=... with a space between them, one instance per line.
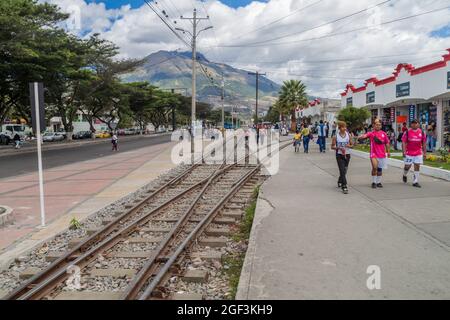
x=291 y=95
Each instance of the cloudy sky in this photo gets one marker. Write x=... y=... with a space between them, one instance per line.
x=325 y=43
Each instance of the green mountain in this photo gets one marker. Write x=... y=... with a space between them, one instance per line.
x=173 y=70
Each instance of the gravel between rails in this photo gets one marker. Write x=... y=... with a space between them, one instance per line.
x=9 y=278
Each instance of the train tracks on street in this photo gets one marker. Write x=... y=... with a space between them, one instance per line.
x=137 y=253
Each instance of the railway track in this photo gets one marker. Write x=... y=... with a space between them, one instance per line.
x=133 y=256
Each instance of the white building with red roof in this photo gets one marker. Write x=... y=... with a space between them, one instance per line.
x=410 y=93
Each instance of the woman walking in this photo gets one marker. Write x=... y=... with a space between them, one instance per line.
x=342 y=143
x=306 y=133
x=379 y=152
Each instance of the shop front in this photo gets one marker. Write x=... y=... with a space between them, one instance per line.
x=410 y=93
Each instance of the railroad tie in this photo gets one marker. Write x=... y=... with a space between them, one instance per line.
x=195 y=276
x=114 y=273
x=187 y=296
x=88 y=295
x=28 y=273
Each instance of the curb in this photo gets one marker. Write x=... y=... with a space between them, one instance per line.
x=63 y=146
x=426 y=170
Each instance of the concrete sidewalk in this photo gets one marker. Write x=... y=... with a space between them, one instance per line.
x=74 y=191
x=310 y=241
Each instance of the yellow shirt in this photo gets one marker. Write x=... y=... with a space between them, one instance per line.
x=305 y=132
x=297 y=136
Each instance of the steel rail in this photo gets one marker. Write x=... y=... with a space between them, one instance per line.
x=133 y=288
x=66 y=257
x=149 y=268
x=193 y=235
x=101 y=234
x=38 y=286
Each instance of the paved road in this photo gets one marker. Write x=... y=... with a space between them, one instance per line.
x=25 y=163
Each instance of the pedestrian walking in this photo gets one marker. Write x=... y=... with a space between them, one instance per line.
x=333 y=129
x=114 y=141
x=342 y=143
x=322 y=140
x=414 y=151
x=17 y=141
x=379 y=152
x=328 y=129
x=297 y=141
x=306 y=134
x=431 y=137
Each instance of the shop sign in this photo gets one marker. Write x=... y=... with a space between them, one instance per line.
x=402 y=119
x=350 y=102
x=403 y=89
x=392 y=114
x=370 y=97
x=412 y=113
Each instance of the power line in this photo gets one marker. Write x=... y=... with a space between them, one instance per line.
x=167 y=24
x=319 y=26
x=338 y=60
x=340 y=33
x=280 y=19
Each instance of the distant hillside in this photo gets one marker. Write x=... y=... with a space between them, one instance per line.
x=173 y=70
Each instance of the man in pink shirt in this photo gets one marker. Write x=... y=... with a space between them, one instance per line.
x=414 y=150
x=379 y=151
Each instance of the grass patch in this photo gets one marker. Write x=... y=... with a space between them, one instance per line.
x=366 y=148
x=234 y=265
x=440 y=165
x=233 y=262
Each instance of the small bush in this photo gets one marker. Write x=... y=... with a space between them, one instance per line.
x=75 y=224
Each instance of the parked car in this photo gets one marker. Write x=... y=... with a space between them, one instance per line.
x=103 y=135
x=131 y=131
x=8 y=131
x=52 y=136
x=82 y=135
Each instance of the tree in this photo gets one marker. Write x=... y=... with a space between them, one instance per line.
x=291 y=95
x=354 y=117
x=28 y=36
x=273 y=115
x=101 y=95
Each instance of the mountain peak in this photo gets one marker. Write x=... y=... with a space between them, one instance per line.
x=173 y=69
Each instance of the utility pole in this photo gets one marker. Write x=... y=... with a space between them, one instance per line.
x=223 y=107
x=195 y=21
x=257 y=74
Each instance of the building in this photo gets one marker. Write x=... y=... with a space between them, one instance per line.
x=422 y=93
x=319 y=109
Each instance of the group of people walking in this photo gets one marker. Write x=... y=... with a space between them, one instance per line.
x=305 y=135
x=414 y=146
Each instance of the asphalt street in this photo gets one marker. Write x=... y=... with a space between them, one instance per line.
x=18 y=164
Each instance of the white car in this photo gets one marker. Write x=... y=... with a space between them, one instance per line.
x=53 y=136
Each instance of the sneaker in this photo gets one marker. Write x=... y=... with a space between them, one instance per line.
x=345 y=190
x=374 y=185
x=339 y=185
x=379 y=185
x=405 y=179
x=417 y=185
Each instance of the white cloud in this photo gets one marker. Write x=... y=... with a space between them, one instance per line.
x=139 y=32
